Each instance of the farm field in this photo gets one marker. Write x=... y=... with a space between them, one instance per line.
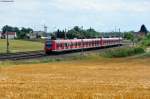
x=20 y=46
x=97 y=78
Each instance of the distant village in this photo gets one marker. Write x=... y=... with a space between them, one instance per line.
x=13 y=35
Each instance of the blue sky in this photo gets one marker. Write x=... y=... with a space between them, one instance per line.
x=103 y=15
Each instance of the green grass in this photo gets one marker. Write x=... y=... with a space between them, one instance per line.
x=142 y=56
x=123 y=52
x=20 y=46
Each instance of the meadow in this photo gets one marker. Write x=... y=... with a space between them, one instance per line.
x=20 y=46
x=90 y=78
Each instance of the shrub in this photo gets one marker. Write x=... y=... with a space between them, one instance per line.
x=123 y=52
x=145 y=42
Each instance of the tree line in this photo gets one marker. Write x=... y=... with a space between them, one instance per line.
x=76 y=32
x=21 y=33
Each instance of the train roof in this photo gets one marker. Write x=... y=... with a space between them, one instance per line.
x=111 y=38
x=85 y=40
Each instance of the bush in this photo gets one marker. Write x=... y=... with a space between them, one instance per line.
x=145 y=42
x=123 y=52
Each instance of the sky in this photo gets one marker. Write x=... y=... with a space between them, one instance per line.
x=102 y=15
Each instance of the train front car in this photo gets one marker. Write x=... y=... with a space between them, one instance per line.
x=48 y=46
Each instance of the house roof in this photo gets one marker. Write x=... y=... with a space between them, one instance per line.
x=139 y=32
x=11 y=33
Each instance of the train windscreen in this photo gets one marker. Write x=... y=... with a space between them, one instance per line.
x=48 y=44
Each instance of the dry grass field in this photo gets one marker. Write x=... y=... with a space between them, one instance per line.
x=83 y=79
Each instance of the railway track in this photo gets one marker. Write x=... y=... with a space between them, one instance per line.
x=41 y=54
x=22 y=55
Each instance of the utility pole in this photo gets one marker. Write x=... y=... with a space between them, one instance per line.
x=119 y=37
x=6 y=32
x=115 y=33
x=54 y=31
x=7 y=42
x=45 y=29
x=82 y=37
x=65 y=33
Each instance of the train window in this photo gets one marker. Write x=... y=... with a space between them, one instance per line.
x=48 y=44
x=76 y=44
x=72 y=44
x=66 y=44
x=83 y=44
x=61 y=45
x=95 y=43
x=87 y=44
x=79 y=44
x=58 y=45
x=92 y=43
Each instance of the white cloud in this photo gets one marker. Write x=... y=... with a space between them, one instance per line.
x=102 y=5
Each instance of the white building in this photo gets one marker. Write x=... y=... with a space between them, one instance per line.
x=11 y=35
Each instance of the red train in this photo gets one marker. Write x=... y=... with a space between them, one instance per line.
x=76 y=44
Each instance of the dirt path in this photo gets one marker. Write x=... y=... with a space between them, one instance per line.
x=84 y=79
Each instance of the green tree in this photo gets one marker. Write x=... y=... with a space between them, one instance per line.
x=7 y=28
x=129 y=36
x=144 y=29
x=91 y=33
x=78 y=32
x=23 y=34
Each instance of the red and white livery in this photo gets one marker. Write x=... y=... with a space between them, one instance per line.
x=76 y=44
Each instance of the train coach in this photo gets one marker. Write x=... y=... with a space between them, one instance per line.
x=77 y=44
